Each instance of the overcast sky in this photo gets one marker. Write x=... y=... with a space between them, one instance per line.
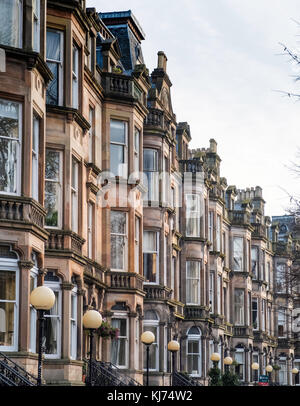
x=224 y=62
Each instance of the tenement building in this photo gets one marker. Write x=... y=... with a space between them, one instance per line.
x=103 y=201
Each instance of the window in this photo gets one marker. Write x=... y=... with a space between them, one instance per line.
x=212 y=291
x=11 y=23
x=225 y=303
x=35 y=158
x=53 y=188
x=118 y=148
x=283 y=371
x=281 y=278
x=33 y=312
x=136 y=151
x=53 y=319
x=240 y=367
x=74 y=195
x=151 y=256
x=137 y=344
x=165 y=260
x=75 y=77
x=9 y=288
x=254 y=261
x=90 y=229
x=36 y=8
x=238 y=254
x=166 y=182
x=193 y=282
x=194 y=351
x=10 y=147
x=151 y=323
x=270 y=319
x=255 y=318
x=211 y=229
x=268 y=273
x=249 y=309
x=218 y=236
x=137 y=244
x=173 y=275
x=219 y=289
x=118 y=240
x=55 y=63
x=151 y=174
x=281 y=322
x=192 y=215
x=73 y=324
x=119 y=348
x=239 y=303
x=263 y=315
x=91 y=134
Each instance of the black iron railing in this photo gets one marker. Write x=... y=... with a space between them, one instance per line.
x=179 y=379
x=12 y=374
x=107 y=374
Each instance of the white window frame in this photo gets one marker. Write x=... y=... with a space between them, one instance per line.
x=136 y=151
x=73 y=325
x=211 y=228
x=35 y=158
x=155 y=324
x=188 y=278
x=59 y=181
x=155 y=175
x=137 y=227
x=75 y=195
x=123 y=173
x=75 y=76
x=157 y=257
x=212 y=291
x=7 y=264
x=36 y=11
x=56 y=287
x=254 y=249
x=119 y=316
x=193 y=214
x=242 y=306
x=195 y=338
x=218 y=233
x=60 y=64
x=125 y=236
x=242 y=351
x=219 y=289
x=234 y=254
x=19 y=149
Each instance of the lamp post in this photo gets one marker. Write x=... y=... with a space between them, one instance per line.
x=215 y=377
x=173 y=346
x=147 y=338
x=91 y=320
x=294 y=372
x=227 y=362
x=42 y=298
x=255 y=367
x=269 y=369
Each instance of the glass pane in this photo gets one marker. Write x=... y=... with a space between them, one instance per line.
x=150 y=160
x=52 y=89
x=149 y=241
x=73 y=306
x=193 y=268
x=150 y=261
x=193 y=364
x=123 y=331
x=117 y=158
x=52 y=203
x=53 y=46
x=118 y=222
x=151 y=182
x=9 y=154
x=117 y=252
x=52 y=165
x=117 y=132
x=54 y=310
x=51 y=335
x=7 y=285
x=7 y=316
x=122 y=352
x=152 y=356
x=9 y=119
x=193 y=347
x=10 y=22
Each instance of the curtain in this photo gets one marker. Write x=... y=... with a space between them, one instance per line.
x=11 y=22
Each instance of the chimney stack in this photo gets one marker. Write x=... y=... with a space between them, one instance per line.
x=162 y=61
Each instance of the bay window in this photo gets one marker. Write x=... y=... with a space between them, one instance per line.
x=118 y=233
x=35 y=158
x=74 y=195
x=53 y=188
x=192 y=215
x=151 y=174
x=254 y=262
x=9 y=288
x=194 y=351
x=75 y=77
x=10 y=147
x=119 y=347
x=55 y=63
x=151 y=323
x=238 y=254
x=11 y=23
x=118 y=148
x=36 y=8
x=193 y=282
x=239 y=307
x=53 y=318
x=151 y=256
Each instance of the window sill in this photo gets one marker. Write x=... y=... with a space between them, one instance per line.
x=71 y=114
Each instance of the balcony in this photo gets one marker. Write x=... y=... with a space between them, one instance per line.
x=259 y=230
x=60 y=240
x=239 y=217
x=124 y=280
x=155 y=118
x=242 y=331
x=195 y=312
x=191 y=165
x=157 y=292
x=23 y=212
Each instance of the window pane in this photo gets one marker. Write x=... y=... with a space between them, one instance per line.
x=238 y=253
x=117 y=252
x=51 y=335
x=53 y=46
x=150 y=160
x=150 y=263
x=7 y=285
x=9 y=155
x=52 y=89
x=117 y=158
x=52 y=165
x=118 y=222
x=9 y=119
x=117 y=131
x=149 y=241
x=11 y=23
x=52 y=203
x=7 y=316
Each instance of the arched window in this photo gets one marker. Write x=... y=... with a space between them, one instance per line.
x=9 y=299
x=151 y=323
x=33 y=313
x=194 y=351
x=53 y=318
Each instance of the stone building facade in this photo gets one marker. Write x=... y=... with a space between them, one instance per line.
x=102 y=200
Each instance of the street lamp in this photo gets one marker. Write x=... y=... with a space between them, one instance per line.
x=295 y=372
x=215 y=373
x=42 y=298
x=91 y=320
x=227 y=362
x=147 y=338
x=269 y=369
x=255 y=367
x=173 y=346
